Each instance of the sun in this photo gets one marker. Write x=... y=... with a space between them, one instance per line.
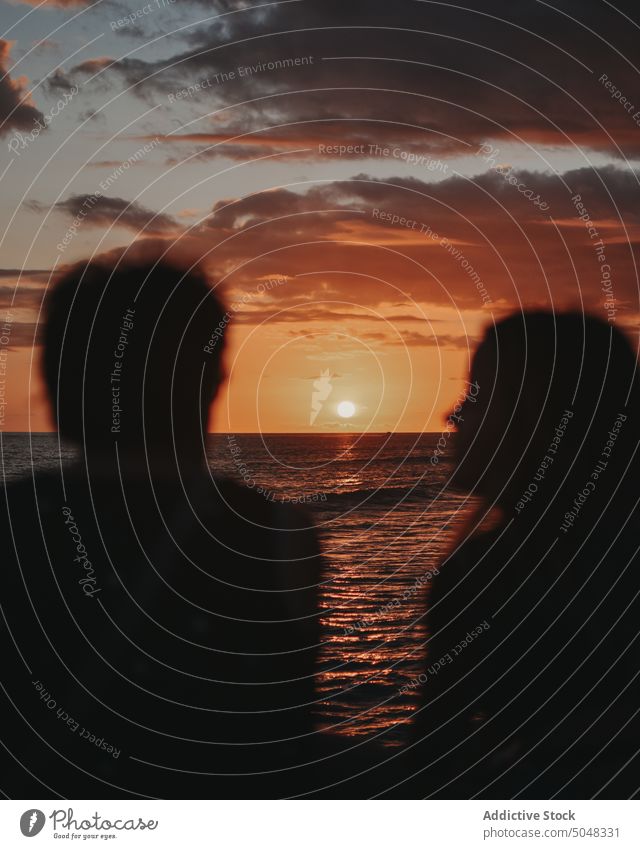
x=346 y=409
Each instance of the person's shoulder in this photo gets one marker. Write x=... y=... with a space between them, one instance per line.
x=43 y=487
x=471 y=560
x=250 y=503
x=27 y=504
x=286 y=531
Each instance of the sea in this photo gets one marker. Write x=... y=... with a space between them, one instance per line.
x=386 y=517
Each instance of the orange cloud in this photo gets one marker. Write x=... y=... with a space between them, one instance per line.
x=17 y=109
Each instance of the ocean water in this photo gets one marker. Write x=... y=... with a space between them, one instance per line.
x=386 y=517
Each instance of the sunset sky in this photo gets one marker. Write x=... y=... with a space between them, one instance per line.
x=369 y=184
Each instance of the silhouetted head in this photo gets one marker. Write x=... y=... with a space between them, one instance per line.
x=133 y=354
x=552 y=387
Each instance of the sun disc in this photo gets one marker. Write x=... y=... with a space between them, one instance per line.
x=346 y=409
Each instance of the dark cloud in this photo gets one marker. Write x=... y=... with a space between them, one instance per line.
x=47 y=44
x=25 y=334
x=98 y=118
x=470 y=243
x=430 y=74
x=417 y=339
x=292 y=309
x=399 y=249
x=60 y=4
x=17 y=110
x=521 y=197
x=24 y=273
x=368 y=247
x=19 y=297
x=100 y=211
x=18 y=303
x=58 y=82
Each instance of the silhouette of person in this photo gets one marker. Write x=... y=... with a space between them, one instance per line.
x=532 y=686
x=160 y=623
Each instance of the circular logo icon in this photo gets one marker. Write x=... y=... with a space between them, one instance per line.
x=32 y=822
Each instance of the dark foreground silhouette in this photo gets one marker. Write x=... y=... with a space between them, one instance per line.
x=160 y=625
x=159 y=628
x=532 y=684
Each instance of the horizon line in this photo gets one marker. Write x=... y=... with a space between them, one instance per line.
x=262 y=433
